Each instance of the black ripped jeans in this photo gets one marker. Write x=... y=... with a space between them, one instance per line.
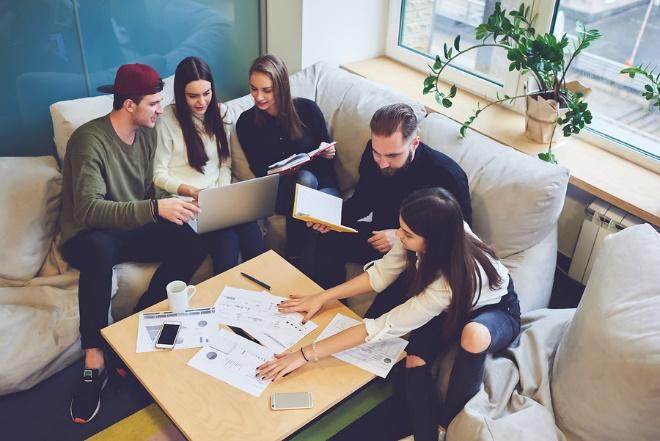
x=425 y=408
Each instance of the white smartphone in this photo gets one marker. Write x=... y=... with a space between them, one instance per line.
x=167 y=335
x=291 y=400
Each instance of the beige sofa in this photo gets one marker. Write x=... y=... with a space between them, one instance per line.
x=516 y=201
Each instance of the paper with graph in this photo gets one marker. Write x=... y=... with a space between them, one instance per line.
x=377 y=358
x=311 y=205
x=256 y=313
x=234 y=360
x=198 y=326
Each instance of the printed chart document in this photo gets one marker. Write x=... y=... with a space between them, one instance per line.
x=293 y=162
x=311 y=205
x=234 y=360
x=377 y=358
x=256 y=313
x=198 y=325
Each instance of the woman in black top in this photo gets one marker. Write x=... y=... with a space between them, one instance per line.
x=277 y=127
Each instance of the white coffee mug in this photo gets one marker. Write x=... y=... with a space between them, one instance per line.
x=179 y=295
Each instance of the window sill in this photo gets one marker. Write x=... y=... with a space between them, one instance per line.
x=615 y=180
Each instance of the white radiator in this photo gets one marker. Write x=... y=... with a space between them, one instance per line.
x=601 y=219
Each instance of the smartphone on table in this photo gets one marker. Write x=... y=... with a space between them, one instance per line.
x=291 y=400
x=167 y=335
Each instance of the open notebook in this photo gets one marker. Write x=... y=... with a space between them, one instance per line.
x=311 y=205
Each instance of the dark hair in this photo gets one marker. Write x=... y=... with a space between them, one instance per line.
x=392 y=118
x=193 y=69
x=435 y=215
x=273 y=67
x=118 y=100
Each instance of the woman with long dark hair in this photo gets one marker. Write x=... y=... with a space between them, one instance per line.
x=457 y=290
x=193 y=154
x=277 y=127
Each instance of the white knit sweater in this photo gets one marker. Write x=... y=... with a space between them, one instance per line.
x=171 y=168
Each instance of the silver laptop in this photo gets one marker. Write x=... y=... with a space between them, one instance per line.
x=235 y=204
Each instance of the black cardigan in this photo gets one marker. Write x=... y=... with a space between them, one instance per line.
x=383 y=195
x=268 y=143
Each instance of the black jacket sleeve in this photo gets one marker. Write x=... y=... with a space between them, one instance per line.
x=359 y=204
x=245 y=130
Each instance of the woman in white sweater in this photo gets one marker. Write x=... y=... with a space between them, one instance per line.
x=193 y=154
x=456 y=289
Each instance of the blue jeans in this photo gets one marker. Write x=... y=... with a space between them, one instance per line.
x=300 y=240
x=226 y=244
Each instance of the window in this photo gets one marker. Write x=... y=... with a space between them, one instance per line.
x=418 y=29
x=631 y=31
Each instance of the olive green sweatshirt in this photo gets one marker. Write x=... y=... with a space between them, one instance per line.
x=106 y=182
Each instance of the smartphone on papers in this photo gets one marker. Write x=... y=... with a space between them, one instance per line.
x=167 y=335
x=291 y=400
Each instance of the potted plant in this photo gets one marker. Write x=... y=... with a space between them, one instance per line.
x=543 y=57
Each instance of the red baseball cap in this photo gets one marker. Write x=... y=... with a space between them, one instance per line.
x=134 y=80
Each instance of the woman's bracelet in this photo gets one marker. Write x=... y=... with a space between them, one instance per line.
x=303 y=354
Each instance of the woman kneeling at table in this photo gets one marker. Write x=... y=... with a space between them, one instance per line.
x=457 y=290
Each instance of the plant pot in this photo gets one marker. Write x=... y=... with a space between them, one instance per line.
x=540 y=119
x=541 y=112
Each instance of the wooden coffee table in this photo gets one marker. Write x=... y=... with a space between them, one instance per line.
x=204 y=408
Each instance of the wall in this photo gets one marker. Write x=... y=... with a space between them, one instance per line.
x=303 y=32
x=56 y=50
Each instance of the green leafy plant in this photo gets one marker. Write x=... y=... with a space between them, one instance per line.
x=544 y=57
x=652 y=90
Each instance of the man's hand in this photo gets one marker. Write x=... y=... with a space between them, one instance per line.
x=309 y=305
x=318 y=227
x=382 y=240
x=177 y=211
x=189 y=190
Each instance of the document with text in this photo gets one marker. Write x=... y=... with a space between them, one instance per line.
x=377 y=358
x=234 y=360
x=256 y=313
x=198 y=326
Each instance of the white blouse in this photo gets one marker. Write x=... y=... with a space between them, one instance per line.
x=420 y=309
x=171 y=168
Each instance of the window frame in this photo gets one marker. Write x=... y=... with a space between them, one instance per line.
x=546 y=12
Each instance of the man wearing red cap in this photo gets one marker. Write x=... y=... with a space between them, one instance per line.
x=110 y=215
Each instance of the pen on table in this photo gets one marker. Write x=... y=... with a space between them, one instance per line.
x=255 y=280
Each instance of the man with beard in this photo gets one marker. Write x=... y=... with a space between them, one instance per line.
x=394 y=164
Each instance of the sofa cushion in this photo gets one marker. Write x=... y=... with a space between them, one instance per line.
x=68 y=115
x=30 y=202
x=39 y=324
x=516 y=198
x=606 y=375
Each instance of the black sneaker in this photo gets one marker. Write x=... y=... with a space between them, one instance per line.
x=86 y=401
